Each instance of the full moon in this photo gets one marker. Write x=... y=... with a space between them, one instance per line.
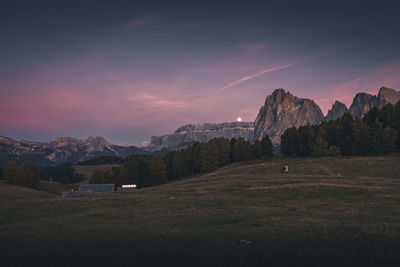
x=239 y=119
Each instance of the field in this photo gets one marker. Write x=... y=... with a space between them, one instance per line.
x=88 y=170
x=325 y=212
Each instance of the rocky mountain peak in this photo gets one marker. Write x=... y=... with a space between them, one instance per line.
x=202 y=132
x=280 y=94
x=96 y=139
x=97 y=143
x=61 y=150
x=338 y=110
x=363 y=97
x=363 y=102
x=282 y=110
x=388 y=95
x=214 y=126
x=5 y=139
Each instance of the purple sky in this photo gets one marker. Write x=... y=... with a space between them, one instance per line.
x=127 y=72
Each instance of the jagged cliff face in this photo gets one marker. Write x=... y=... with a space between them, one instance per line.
x=61 y=150
x=363 y=102
x=190 y=133
x=338 y=110
x=387 y=95
x=282 y=110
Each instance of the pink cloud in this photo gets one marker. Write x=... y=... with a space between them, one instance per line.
x=248 y=77
x=154 y=103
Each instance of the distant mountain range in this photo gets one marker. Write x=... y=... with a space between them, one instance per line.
x=62 y=149
x=190 y=133
x=280 y=111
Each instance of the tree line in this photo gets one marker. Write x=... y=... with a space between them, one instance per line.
x=24 y=175
x=29 y=175
x=198 y=158
x=102 y=160
x=376 y=133
x=63 y=173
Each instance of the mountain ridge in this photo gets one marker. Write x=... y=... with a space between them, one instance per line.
x=281 y=110
x=62 y=149
x=363 y=102
x=201 y=132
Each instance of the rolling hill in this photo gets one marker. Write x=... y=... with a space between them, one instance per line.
x=325 y=212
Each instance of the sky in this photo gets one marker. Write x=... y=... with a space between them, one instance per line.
x=127 y=70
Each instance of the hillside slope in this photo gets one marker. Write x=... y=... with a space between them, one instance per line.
x=334 y=211
x=10 y=193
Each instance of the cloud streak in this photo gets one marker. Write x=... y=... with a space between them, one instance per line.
x=246 y=78
x=154 y=103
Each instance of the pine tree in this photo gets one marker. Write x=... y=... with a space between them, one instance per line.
x=371 y=116
x=157 y=171
x=241 y=150
x=386 y=115
x=306 y=140
x=142 y=172
x=99 y=177
x=195 y=158
x=263 y=148
x=179 y=167
x=10 y=171
x=27 y=175
x=320 y=148
x=208 y=157
x=347 y=145
x=58 y=173
x=169 y=166
x=119 y=176
x=266 y=147
x=290 y=142
x=224 y=151
x=360 y=138
x=257 y=149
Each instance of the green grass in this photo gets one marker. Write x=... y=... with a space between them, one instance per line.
x=243 y=214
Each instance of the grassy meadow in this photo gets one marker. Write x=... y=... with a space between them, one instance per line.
x=88 y=170
x=325 y=212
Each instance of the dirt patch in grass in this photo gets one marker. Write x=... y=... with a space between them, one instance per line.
x=295 y=185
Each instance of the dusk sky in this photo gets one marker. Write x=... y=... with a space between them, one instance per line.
x=129 y=70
